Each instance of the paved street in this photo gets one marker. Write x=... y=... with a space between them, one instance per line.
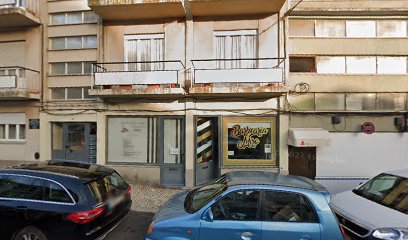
x=146 y=201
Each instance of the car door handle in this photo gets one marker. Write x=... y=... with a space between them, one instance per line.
x=246 y=236
x=305 y=237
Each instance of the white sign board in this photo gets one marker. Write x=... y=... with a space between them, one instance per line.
x=135 y=78
x=272 y=75
x=8 y=82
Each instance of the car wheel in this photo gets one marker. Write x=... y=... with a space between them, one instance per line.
x=30 y=233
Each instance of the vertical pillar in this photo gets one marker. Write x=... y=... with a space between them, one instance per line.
x=283 y=144
x=101 y=143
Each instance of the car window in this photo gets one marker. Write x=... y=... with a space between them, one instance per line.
x=279 y=206
x=388 y=190
x=55 y=193
x=238 y=206
x=21 y=187
x=109 y=186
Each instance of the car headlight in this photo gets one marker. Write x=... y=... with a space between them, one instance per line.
x=150 y=229
x=391 y=234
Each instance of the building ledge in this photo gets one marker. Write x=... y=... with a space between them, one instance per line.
x=138 y=93
x=269 y=91
x=16 y=17
x=18 y=95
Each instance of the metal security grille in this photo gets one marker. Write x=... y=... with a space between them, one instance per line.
x=204 y=140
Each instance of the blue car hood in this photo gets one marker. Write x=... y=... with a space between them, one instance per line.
x=173 y=208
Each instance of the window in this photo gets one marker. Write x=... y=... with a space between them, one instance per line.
x=77 y=42
x=55 y=193
x=71 y=68
x=198 y=198
x=304 y=102
x=288 y=207
x=73 y=18
x=331 y=64
x=301 y=28
x=361 y=29
x=391 y=101
x=302 y=64
x=144 y=48
x=133 y=140
x=74 y=93
x=12 y=132
x=102 y=189
x=392 y=65
x=236 y=45
x=361 y=65
x=21 y=187
x=330 y=101
x=330 y=28
x=237 y=206
x=388 y=28
x=360 y=101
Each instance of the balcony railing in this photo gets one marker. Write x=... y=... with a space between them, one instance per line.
x=135 y=78
x=19 y=82
x=19 y=13
x=235 y=76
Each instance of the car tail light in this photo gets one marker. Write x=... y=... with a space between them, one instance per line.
x=129 y=190
x=343 y=233
x=85 y=217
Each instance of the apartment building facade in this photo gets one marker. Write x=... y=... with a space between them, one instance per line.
x=348 y=87
x=167 y=92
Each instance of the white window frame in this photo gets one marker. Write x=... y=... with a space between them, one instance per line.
x=142 y=37
x=83 y=89
x=66 y=69
x=66 y=18
x=66 y=43
x=7 y=133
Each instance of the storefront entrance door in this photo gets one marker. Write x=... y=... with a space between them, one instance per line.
x=74 y=141
x=302 y=161
x=172 y=151
x=206 y=149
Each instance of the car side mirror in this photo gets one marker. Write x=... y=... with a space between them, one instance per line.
x=208 y=215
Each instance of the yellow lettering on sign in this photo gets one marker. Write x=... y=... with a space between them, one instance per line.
x=250 y=136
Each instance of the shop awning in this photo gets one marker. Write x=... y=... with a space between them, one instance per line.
x=308 y=137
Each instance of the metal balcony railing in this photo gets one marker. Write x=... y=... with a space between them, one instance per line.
x=15 y=78
x=135 y=74
x=32 y=6
x=240 y=71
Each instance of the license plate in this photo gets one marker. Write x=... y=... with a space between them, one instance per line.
x=115 y=201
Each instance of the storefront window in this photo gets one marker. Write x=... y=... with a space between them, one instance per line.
x=249 y=141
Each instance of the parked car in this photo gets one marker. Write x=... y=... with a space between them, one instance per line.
x=377 y=209
x=248 y=206
x=61 y=200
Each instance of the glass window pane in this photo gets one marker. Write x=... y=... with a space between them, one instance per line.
x=303 y=102
x=2 y=131
x=58 y=93
x=74 y=18
x=57 y=68
x=22 y=134
x=391 y=28
x=330 y=28
x=74 y=93
x=87 y=67
x=302 y=64
x=288 y=207
x=391 y=101
x=331 y=64
x=74 y=42
x=90 y=42
x=90 y=17
x=392 y=65
x=361 y=65
x=360 y=102
x=74 y=68
x=21 y=188
x=58 y=19
x=330 y=102
x=238 y=206
x=56 y=193
x=12 y=131
x=301 y=28
x=57 y=136
x=360 y=29
x=57 y=43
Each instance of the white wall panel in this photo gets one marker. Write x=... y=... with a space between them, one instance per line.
x=361 y=29
x=331 y=64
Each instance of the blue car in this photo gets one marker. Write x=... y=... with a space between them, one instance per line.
x=249 y=206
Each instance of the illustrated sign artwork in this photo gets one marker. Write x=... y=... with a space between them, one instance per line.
x=249 y=141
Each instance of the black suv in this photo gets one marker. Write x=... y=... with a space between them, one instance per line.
x=61 y=200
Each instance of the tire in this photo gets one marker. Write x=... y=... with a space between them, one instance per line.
x=30 y=233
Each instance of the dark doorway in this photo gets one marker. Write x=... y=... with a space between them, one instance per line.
x=302 y=161
x=206 y=149
x=74 y=141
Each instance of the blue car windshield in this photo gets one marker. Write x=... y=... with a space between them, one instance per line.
x=199 y=197
x=388 y=190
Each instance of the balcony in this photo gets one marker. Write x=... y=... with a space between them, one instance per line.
x=235 y=7
x=152 y=79
x=19 y=83
x=122 y=10
x=19 y=13
x=256 y=78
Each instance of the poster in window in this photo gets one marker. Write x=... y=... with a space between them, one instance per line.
x=249 y=141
